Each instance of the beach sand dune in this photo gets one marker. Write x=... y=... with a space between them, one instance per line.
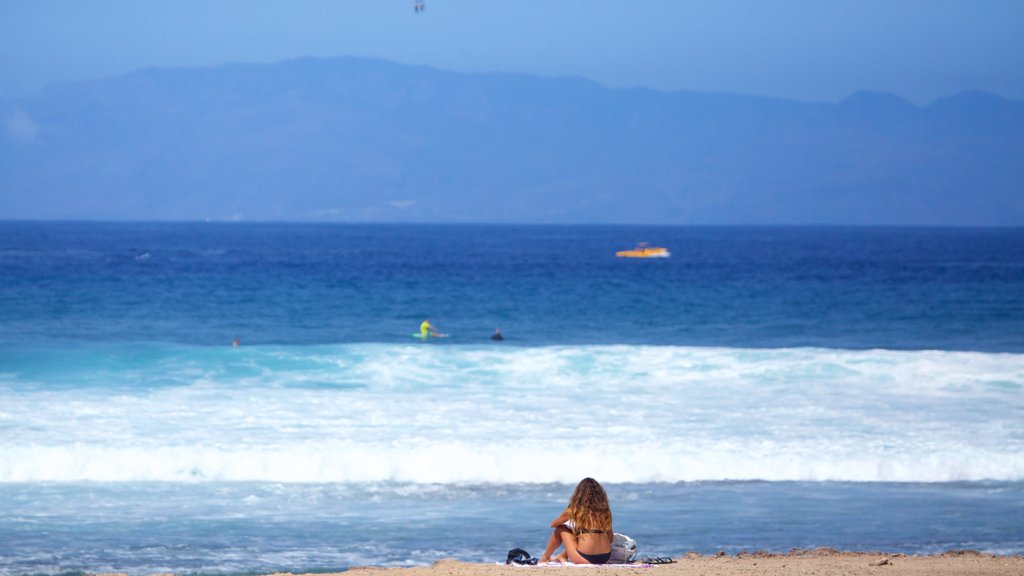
x=819 y=562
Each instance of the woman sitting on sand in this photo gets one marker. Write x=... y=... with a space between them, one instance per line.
x=584 y=528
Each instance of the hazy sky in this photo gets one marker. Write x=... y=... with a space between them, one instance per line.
x=818 y=50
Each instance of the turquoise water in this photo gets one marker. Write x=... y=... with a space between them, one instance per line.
x=763 y=388
x=237 y=527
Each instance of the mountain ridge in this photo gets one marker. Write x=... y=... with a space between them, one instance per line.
x=365 y=140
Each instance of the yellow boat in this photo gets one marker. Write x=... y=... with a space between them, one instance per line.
x=642 y=250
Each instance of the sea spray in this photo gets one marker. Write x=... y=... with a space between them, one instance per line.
x=477 y=414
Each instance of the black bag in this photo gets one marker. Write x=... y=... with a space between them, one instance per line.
x=519 y=556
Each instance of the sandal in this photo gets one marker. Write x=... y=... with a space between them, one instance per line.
x=657 y=560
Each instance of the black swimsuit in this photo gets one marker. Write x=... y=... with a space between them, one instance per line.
x=595 y=558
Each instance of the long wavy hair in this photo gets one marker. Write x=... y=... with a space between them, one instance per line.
x=589 y=508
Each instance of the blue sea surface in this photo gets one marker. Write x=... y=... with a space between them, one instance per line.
x=851 y=288
x=762 y=388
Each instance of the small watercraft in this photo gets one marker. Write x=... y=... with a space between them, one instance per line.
x=642 y=250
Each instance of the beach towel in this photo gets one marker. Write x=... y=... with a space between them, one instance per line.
x=645 y=562
x=623 y=554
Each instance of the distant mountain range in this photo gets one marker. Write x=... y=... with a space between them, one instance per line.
x=358 y=140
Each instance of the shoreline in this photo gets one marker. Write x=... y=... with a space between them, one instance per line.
x=813 y=562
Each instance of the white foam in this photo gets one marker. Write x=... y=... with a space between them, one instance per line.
x=372 y=412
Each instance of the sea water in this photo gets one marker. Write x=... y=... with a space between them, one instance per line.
x=762 y=388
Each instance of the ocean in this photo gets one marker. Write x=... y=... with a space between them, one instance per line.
x=764 y=388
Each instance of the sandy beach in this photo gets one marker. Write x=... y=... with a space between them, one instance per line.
x=821 y=562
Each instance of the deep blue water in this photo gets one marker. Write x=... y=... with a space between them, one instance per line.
x=852 y=288
x=763 y=388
